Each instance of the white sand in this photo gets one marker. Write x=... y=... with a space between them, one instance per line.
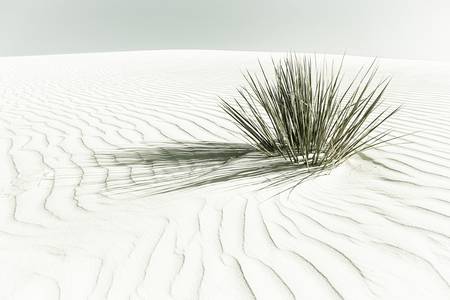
x=71 y=227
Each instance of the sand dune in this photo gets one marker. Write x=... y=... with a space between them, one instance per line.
x=100 y=199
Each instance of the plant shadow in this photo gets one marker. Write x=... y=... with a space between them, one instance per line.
x=167 y=167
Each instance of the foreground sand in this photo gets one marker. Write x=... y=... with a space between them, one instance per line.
x=79 y=218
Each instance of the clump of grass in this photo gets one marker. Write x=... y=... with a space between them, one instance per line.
x=306 y=115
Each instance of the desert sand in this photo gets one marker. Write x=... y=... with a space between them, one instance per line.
x=96 y=202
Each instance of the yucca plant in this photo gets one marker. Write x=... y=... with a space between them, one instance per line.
x=305 y=115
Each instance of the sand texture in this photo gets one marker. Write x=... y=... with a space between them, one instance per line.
x=121 y=178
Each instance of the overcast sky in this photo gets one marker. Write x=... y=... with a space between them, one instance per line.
x=416 y=29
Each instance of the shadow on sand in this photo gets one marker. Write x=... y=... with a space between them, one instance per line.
x=168 y=167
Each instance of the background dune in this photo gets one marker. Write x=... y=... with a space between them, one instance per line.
x=87 y=141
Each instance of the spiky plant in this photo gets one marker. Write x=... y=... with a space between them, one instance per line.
x=305 y=115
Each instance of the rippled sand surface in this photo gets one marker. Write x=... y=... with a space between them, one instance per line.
x=121 y=178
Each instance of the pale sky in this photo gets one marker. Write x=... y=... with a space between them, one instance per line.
x=414 y=29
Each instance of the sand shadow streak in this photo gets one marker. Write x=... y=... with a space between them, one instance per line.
x=161 y=168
